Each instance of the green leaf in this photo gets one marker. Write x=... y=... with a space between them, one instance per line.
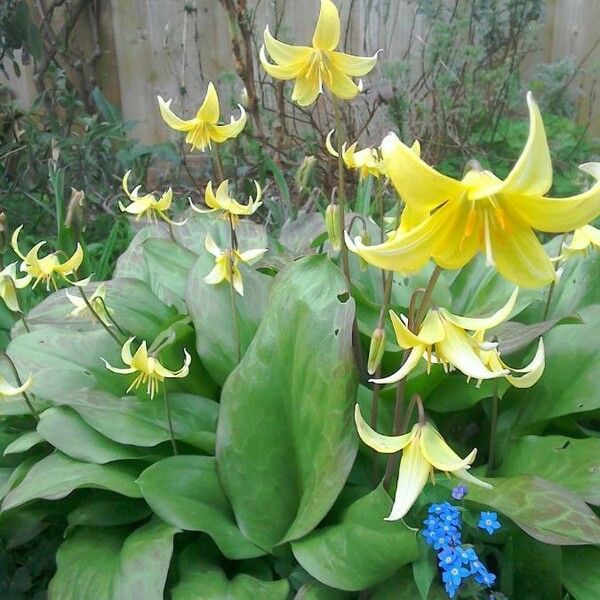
x=313 y=590
x=169 y=265
x=131 y=264
x=57 y=475
x=402 y=585
x=23 y=443
x=201 y=578
x=285 y=437
x=69 y=433
x=103 y=509
x=185 y=491
x=544 y=510
x=104 y=563
x=139 y=422
x=455 y=393
x=569 y=462
x=580 y=572
x=570 y=383
x=144 y=562
x=211 y=310
x=360 y=550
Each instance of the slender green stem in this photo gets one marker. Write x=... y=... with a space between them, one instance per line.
x=493 y=427
x=217 y=162
x=19 y=381
x=98 y=317
x=427 y=296
x=169 y=420
x=22 y=316
x=111 y=319
x=234 y=313
x=553 y=284
x=341 y=195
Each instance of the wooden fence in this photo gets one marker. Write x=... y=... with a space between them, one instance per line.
x=152 y=47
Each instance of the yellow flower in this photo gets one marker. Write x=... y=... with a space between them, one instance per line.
x=583 y=238
x=366 y=161
x=443 y=338
x=530 y=374
x=147 y=205
x=224 y=202
x=481 y=213
x=319 y=64
x=97 y=301
x=8 y=390
x=150 y=371
x=9 y=284
x=46 y=268
x=424 y=450
x=203 y=128
x=226 y=264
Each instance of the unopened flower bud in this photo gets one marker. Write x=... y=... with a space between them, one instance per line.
x=332 y=224
x=376 y=350
x=244 y=98
x=75 y=208
x=305 y=171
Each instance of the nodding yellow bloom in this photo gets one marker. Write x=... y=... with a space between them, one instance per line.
x=424 y=450
x=443 y=338
x=6 y=389
x=226 y=264
x=492 y=360
x=147 y=205
x=204 y=129
x=583 y=239
x=222 y=201
x=366 y=161
x=318 y=65
x=9 y=284
x=481 y=213
x=48 y=267
x=150 y=371
x=98 y=302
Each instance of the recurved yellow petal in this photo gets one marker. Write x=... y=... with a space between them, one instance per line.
x=341 y=85
x=209 y=110
x=355 y=66
x=327 y=31
x=385 y=444
x=171 y=119
x=285 y=54
x=306 y=89
x=475 y=323
x=412 y=477
x=412 y=360
x=466 y=476
x=72 y=264
x=283 y=71
x=532 y=372
x=6 y=389
x=404 y=336
x=221 y=133
x=439 y=454
x=432 y=329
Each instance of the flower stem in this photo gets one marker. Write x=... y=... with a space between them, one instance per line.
x=169 y=420
x=553 y=284
x=97 y=316
x=426 y=300
x=236 y=326
x=493 y=427
x=218 y=165
x=27 y=329
x=19 y=381
x=111 y=319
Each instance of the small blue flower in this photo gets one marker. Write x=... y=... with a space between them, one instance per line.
x=454 y=575
x=449 y=558
x=431 y=522
x=488 y=521
x=485 y=578
x=459 y=492
x=467 y=555
x=441 y=541
x=430 y=536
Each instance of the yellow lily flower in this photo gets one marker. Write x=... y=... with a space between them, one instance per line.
x=97 y=301
x=443 y=338
x=366 y=161
x=583 y=239
x=204 y=128
x=424 y=450
x=46 y=268
x=481 y=213
x=492 y=360
x=6 y=389
x=147 y=205
x=150 y=371
x=319 y=64
x=224 y=202
x=9 y=284
x=226 y=264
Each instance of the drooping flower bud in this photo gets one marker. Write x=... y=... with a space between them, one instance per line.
x=376 y=350
x=305 y=172
x=332 y=224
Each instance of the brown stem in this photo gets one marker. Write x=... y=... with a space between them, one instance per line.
x=427 y=295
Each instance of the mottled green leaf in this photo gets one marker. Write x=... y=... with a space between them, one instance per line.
x=580 y=573
x=185 y=491
x=57 y=475
x=286 y=439
x=360 y=550
x=572 y=463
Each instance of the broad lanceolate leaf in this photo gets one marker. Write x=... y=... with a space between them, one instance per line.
x=69 y=433
x=286 y=439
x=185 y=491
x=544 y=510
x=201 y=578
x=580 y=572
x=105 y=563
x=362 y=549
x=139 y=422
x=57 y=475
x=102 y=509
x=570 y=383
x=211 y=310
x=572 y=463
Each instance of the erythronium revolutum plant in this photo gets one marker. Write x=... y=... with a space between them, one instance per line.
x=196 y=423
